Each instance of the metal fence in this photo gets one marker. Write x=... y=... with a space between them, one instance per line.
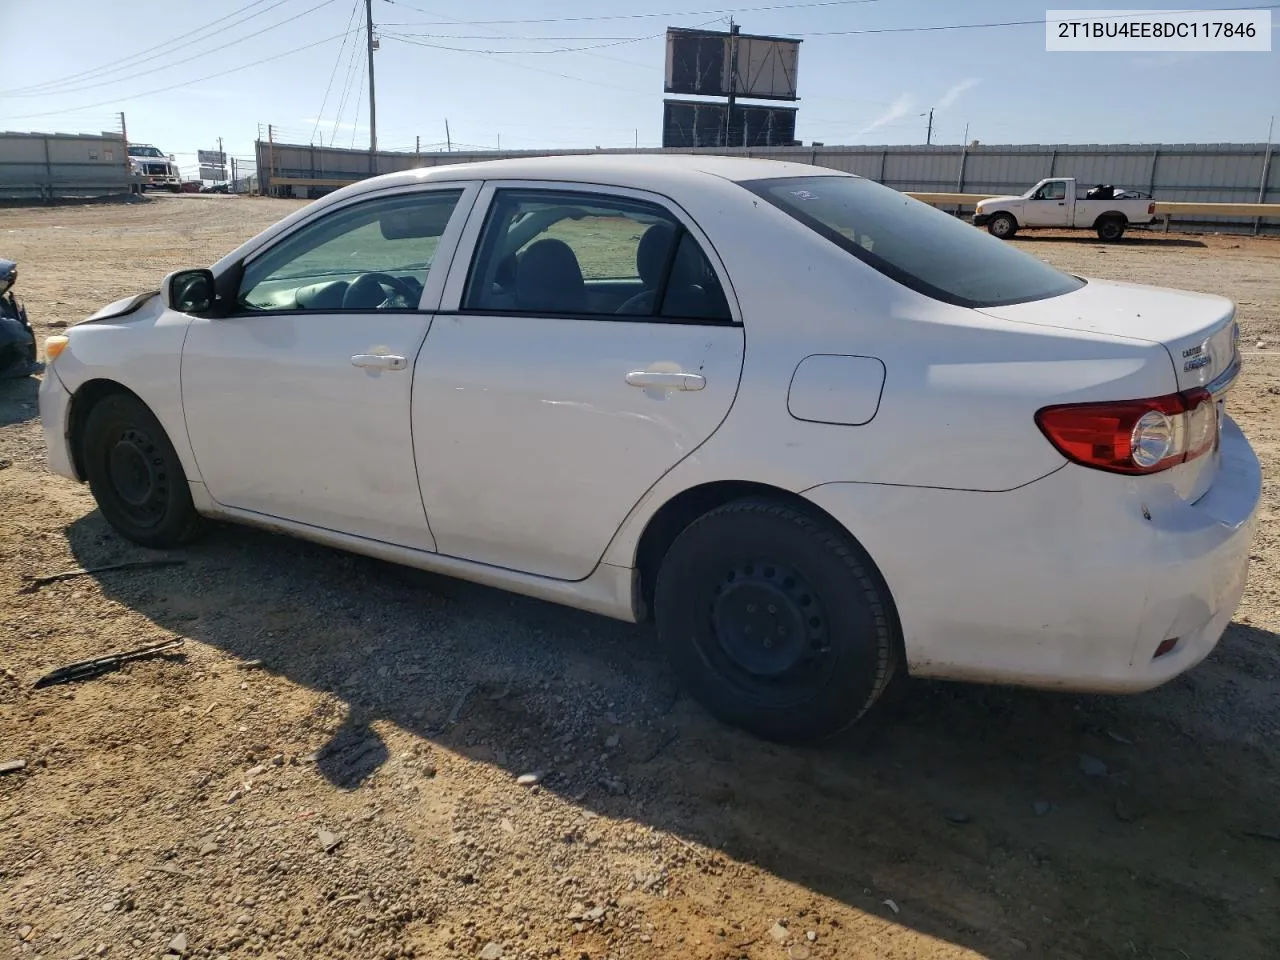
x=49 y=166
x=1191 y=172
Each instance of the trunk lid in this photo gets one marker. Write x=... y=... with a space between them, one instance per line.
x=1198 y=330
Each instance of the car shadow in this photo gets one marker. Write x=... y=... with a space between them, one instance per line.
x=978 y=812
x=18 y=400
x=1129 y=240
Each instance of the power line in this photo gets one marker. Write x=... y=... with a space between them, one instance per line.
x=522 y=66
x=355 y=123
x=512 y=36
x=178 y=86
x=336 y=64
x=169 y=66
x=641 y=16
x=125 y=62
x=619 y=41
x=490 y=35
x=346 y=90
x=616 y=42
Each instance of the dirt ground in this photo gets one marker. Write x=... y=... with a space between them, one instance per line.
x=328 y=767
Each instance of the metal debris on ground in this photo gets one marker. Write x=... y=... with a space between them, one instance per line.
x=453 y=714
x=37 y=582
x=84 y=669
x=329 y=841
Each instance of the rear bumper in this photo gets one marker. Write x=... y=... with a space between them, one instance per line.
x=1071 y=582
x=55 y=419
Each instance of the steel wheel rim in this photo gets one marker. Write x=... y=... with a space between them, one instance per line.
x=767 y=633
x=138 y=478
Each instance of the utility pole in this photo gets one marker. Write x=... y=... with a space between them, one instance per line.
x=448 y=138
x=373 y=108
x=1266 y=172
x=222 y=157
x=124 y=136
x=271 y=160
x=417 y=145
x=928 y=137
x=733 y=78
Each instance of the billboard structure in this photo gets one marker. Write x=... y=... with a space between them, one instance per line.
x=709 y=63
x=701 y=123
x=213 y=164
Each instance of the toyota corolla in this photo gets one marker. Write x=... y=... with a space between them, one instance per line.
x=821 y=433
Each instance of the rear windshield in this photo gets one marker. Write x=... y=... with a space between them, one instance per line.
x=922 y=248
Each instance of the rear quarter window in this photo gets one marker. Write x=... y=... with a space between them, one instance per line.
x=920 y=247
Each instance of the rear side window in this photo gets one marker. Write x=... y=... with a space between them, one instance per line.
x=922 y=248
x=588 y=255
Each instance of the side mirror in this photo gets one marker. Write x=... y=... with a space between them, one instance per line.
x=189 y=291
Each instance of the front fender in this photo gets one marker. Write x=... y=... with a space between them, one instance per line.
x=141 y=350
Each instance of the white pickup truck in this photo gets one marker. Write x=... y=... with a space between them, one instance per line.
x=1058 y=202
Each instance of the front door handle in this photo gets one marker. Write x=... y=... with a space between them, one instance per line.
x=663 y=380
x=378 y=361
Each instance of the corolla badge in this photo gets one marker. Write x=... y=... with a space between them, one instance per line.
x=1193 y=358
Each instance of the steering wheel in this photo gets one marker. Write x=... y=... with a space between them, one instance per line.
x=364 y=288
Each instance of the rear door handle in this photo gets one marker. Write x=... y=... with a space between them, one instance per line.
x=378 y=361
x=666 y=381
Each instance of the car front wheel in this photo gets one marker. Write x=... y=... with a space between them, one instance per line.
x=1002 y=225
x=776 y=621
x=135 y=474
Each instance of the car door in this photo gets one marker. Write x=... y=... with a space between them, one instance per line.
x=1047 y=207
x=584 y=349
x=297 y=401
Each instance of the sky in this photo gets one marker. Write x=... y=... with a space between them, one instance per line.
x=567 y=73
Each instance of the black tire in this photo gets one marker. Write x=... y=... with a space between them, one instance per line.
x=1002 y=225
x=1110 y=229
x=754 y=568
x=135 y=474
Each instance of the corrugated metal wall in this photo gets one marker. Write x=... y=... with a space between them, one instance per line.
x=52 y=165
x=1205 y=173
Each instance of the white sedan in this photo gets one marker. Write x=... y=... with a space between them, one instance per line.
x=823 y=434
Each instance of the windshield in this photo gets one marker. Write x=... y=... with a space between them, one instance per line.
x=145 y=152
x=922 y=248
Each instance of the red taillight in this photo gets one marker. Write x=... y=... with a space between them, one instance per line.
x=1133 y=436
x=1151 y=209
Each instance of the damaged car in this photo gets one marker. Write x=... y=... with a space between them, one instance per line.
x=17 y=340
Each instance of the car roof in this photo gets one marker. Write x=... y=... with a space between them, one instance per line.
x=658 y=172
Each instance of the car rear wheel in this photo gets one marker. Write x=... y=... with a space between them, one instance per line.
x=1110 y=228
x=775 y=621
x=135 y=475
x=1002 y=225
